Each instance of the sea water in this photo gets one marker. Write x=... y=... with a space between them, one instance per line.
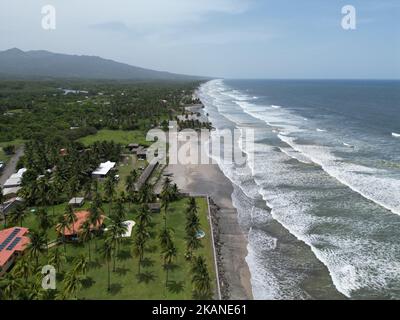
x=319 y=198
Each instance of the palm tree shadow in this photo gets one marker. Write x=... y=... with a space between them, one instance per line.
x=147 y=262
x=171 y=267
x=121 y=271
x=95 y=264
x=151 y=249
x=88 y=282
x=115 y=288
x=175 y=286
x=124 y=255
x=146 y=277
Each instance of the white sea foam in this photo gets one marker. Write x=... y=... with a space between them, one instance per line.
x=321 y=130
x=355 y=259
x=396 y=135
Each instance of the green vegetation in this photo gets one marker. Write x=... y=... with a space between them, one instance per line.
x=66 y=137
x=117 y=136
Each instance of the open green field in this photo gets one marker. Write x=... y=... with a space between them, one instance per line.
x=118 y=136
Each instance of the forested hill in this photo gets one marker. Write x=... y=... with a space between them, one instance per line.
x=16 y=63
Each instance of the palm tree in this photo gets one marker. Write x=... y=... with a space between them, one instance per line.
x=23 y=269
x=18 y=215
x=201 y=279
x=169 y=253
x=144 y=216
x=45 y=222
x=36 y=245
x=108 y=253
x=57 y=258
x=63 y=225
x=120 y=209
x=72 y=284
x=165 y=238
x=81 y=265
x=95 y=217
x=86 y=234
x=70 y=217
x=192 y=243
x=192 y=206
x=146 y=194
x=52 y=195
x=10 y=286
x=73 y=186
x=109 y=188
x=192 y=222
x=141 y=237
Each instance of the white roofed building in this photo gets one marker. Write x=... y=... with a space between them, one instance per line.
x=103 y=170
x=15 y=179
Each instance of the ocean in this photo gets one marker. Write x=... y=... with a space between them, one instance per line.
x=319 y=198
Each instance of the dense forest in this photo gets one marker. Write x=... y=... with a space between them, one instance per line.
x=30 y=109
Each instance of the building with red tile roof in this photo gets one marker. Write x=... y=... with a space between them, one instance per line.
x=81 y=217
x=13 y=242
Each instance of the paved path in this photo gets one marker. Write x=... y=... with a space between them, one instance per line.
x=11 y=166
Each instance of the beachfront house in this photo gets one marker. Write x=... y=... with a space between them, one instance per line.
x=13 y=242
x=15 y=179
x=72 y=232
x=103 y=170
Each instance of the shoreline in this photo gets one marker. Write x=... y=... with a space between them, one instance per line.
x=229 y=240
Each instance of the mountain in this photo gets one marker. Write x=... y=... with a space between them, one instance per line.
x=16 y=63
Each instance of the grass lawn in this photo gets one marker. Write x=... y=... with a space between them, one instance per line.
x=17 y=143
x=118 y=136
x=125 y=167
x=125 y=281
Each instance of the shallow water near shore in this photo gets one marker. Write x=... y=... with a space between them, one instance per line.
x=319 y=205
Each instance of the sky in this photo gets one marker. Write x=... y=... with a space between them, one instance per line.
x=218 y=38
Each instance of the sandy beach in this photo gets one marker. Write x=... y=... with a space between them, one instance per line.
x=208 y=179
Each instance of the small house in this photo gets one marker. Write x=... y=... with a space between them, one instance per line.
x=76 y=202
x=103 y=170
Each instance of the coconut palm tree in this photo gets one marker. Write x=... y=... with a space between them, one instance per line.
x=23 y=268
x=146 y=194
x=70 y=216
x=120 y=209
x=169 y=253
x=201 y=279
x=18 y=215
x=165 y=238
x=57 y=258
x=144 y=216
x=36 y=245
x=109 y=188
x=192 y=243
x=81 y=265
x=10 y=286
x=107 y=251
x=95 y=217
x=86 y=234
x=63 y=225
x=141 y=237
x=72 y=284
